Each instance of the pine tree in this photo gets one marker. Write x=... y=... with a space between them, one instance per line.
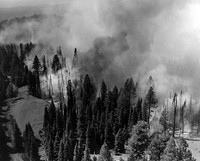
x=36 y=65
x=139 y=140
x=17 y=138
x=14 y=68
x=75 y=59
x=115 y=113
x=36 y=71
x=30 y=144
x=183 y=152
x=150 y=103
x=84 y=116
x=103 y=92
x=93 y=137
x=22 y=53
x=164 y=121
x=124 y=103
x=34 y=156
x=157 y=146
x=105 y=154
x=119 y=142
x=56 y=64
x=46 y=122
x=5 y=68
x=141 y=114
x=109 y=137
x=170 y=152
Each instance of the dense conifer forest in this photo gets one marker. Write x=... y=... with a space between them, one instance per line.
x=99 y=80
x=88 y=122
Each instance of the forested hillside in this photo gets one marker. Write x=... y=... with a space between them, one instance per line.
x=84 y=118
x=99 y=80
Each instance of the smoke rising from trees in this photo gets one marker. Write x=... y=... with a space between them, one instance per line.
x=126 y=39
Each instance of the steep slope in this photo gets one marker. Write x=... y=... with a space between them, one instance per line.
x=26 y=108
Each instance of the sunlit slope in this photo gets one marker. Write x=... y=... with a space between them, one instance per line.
x=26 y=108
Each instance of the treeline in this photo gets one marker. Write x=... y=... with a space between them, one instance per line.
x=20 y=20
x=12 y=62
x=117 y=120
x=13 y=74
x=89 y=120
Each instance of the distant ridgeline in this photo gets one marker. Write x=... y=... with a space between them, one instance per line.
x=20 y=20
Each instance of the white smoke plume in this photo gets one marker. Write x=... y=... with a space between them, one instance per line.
x=127 y=38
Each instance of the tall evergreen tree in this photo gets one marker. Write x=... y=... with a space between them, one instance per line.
x=103 y=93
x=56 y=65
x=36 y=71
x=36 y=65
x=138 y=142
x=17 y=138
x=109 y=137
x=150 y=103
x=46 y=122
x=14 y=68
x=124 y=103
x=31 y=144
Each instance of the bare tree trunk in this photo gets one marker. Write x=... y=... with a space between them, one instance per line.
x=183 y=113
x=180 y=115
x=51 y=87
x=198 y=124
x=191 y=115
x=175 y=107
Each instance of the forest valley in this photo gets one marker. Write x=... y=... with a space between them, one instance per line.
x=85 y=121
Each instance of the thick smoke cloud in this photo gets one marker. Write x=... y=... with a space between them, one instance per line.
x=129 y=38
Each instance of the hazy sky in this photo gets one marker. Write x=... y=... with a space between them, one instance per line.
x=15 y=3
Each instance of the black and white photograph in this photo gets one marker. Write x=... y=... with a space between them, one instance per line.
x=99 y=80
